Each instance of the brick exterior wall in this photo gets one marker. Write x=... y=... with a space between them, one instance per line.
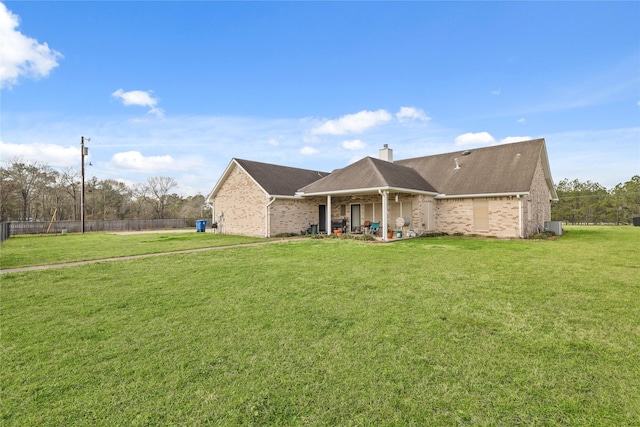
x=456 y=216
x=244 y=206
x=291 y=215
x=242 y=203
x=537 y=207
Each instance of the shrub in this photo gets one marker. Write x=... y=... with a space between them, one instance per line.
x=435 y=234
x=543 y=235
x=287 y=235
x=363 y=237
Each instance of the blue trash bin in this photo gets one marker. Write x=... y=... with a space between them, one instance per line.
x=201 y=225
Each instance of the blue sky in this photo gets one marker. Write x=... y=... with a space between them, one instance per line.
x=179 y=88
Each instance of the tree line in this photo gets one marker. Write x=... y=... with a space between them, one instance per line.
x=33 y=191
x=591 y=203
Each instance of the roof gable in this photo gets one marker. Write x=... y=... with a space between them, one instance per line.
x=369 y=174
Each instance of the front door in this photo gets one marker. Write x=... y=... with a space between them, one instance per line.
x=322 y=221
x=355 y=218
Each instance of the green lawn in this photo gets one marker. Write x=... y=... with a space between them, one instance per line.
x=437 y=332
x=22 y=251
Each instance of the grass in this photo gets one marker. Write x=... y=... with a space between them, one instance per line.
x=22 y=251
x=439 y=332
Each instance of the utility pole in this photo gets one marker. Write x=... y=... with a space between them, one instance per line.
x=84 y=151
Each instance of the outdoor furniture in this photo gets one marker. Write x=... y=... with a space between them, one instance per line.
x=375 y=228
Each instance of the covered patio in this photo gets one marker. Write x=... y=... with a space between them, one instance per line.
x=373 y=196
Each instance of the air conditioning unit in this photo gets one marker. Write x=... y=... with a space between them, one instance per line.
x=555 y=226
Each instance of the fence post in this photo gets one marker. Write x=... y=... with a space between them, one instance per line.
x=5 y=231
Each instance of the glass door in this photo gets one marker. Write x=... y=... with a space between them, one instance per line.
x=322 y=218
x=356 y=222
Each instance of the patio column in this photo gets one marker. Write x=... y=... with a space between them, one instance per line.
x=385 y=215
x=328 y=219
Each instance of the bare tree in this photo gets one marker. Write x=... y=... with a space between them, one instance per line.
x=9 y=202
x=159 y=188
x=69 y=181
x=26 y=179
x=113 y=199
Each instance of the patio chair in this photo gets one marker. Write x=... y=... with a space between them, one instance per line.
x=375 y=228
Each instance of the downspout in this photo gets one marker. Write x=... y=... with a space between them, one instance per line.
x=519 y=216
x=213 y=215
x=385 y=207
x=328 y=215
x=266 y=217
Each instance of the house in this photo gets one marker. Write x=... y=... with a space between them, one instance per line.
x=503 y=191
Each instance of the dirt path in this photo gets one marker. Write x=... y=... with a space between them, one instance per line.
x=163 y=231
x=93 y=261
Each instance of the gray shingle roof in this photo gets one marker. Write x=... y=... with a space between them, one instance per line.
x=500 y=169
x=371 y=174
x=506 y=168
x=279 y=180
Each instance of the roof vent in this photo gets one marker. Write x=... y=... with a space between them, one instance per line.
x=457 y=164
x=466 y=152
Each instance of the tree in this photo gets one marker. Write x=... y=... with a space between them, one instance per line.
x=116 y=197
x=627 y=200
x=25 y=180
x=9 y=202
x=194 y=207
x=591 y=203
x=69 y=182
x=157 y=192
x=46 y=198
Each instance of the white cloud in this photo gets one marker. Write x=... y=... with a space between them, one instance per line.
x=522 y=121
x=198 y=154
x=134 y=160
x=352 y=123
x=308 y=151
x=141 y=98
x=480 y=138
x=353 y=144
x=21 y=55
x=51 y=154
x=510 y=139
x=496 y=92
x=410 y=113
x=485 y=138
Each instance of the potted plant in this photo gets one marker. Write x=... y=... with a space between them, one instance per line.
x=389 y=233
